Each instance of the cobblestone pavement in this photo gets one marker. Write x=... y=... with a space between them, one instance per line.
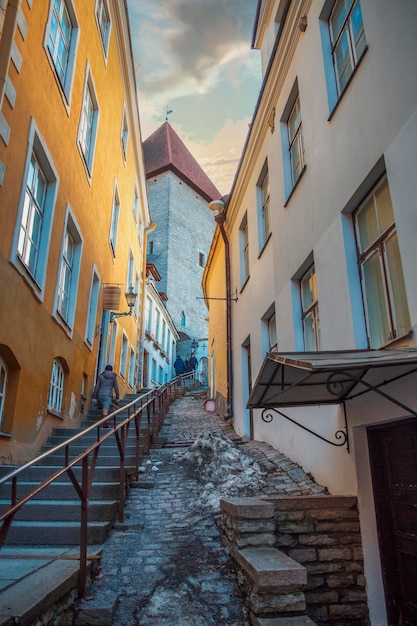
x=166 y=565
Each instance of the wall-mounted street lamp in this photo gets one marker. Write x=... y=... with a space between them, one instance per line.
x=194 y=344
x=131 y=301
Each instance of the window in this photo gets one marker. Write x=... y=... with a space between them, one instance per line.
x=269 y=330
x=244 y=250
x=92 y=308
x=114 y=225
x=124 y=135
x=164 y=334
x=272 y=333
x=87 y=130
x=310 y=311
x=61 y=41
x=384 y=294
x=131 y=380
x=36 y=210
x=158 y=326
x=123 y=356
x=3 y=388
x=295 y=139
x=183 y=319
x=103 y=23
x=135 y=206
x=69 y=271
x=112 y=344
x=201 y=259
x=263 y=206
x=30 y=233
x=347 y=37
x=56 y=387
x=130 y=271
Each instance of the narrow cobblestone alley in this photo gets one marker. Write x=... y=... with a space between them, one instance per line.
x=166 y=565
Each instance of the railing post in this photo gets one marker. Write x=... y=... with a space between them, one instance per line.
x=82 y=579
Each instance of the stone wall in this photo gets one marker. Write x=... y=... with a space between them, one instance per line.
x=322 y=533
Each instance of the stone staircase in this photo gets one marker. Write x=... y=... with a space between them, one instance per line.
x=52 y=517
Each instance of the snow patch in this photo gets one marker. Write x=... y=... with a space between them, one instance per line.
x=225 y=469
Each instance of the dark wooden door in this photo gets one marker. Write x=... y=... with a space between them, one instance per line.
x=393 y=456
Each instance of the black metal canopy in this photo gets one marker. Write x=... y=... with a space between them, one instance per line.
x=312 y=378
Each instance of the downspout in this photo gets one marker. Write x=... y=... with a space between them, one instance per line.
x=146 y=230
x=220 y=218
x=6 y=43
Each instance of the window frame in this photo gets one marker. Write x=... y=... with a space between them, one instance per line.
x=65 y=81
x=88 y=123
x=4 y=378
x=263 y=202
x=311 y=310
x=131 y=371
x=124 y=350
x=114 y=222
x=244 y=250
x=296 y=139
x=103 y=25
x=36 y=278
x=288 y=141
x=377 y=246
x=56 y=387
x=346 y=29
x=93 y=300
x=66 y=318
x=124 y=135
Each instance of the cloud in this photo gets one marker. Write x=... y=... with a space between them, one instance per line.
x=183 y=42
x=194 y=57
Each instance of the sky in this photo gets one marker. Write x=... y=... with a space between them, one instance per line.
x=194 y=58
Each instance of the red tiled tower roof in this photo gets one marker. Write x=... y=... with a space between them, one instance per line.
x=164 y=150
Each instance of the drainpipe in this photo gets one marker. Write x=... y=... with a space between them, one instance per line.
x=220 y=217
x=146 y=231
x=6 y=42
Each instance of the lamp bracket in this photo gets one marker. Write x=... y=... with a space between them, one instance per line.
x=114 y=315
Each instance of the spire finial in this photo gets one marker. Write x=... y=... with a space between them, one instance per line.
x=167 y=113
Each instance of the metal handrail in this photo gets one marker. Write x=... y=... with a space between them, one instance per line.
x=157 y=402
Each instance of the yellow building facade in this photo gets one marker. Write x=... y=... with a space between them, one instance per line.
x=215 y=294
x=73 y=208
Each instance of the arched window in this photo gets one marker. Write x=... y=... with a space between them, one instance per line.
x=3 y=387
x=183 y=319
x=56 y=387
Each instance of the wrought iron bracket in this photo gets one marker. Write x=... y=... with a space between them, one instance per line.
x=340 y=435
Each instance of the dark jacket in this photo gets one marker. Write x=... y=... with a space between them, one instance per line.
x=106 y=382
x=179 y=366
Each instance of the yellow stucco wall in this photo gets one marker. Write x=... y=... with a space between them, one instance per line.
x=214 y=286
x=30 y=337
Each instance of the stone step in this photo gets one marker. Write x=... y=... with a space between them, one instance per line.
x=64 y=510
x=30 y=533
x=39 y=473
x=278 y=582
x=36 y=584
x=62 y=490
x=300 y=620
x=271 y=570
x=106 y=457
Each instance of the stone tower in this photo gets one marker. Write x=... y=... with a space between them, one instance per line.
x=179 y=192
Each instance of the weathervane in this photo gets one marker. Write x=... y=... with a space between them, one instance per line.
x=167 y=113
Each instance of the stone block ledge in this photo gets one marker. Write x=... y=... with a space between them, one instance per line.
x=271 y=570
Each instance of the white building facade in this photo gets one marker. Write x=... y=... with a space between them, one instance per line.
x=160 y=339
x=322 y=225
